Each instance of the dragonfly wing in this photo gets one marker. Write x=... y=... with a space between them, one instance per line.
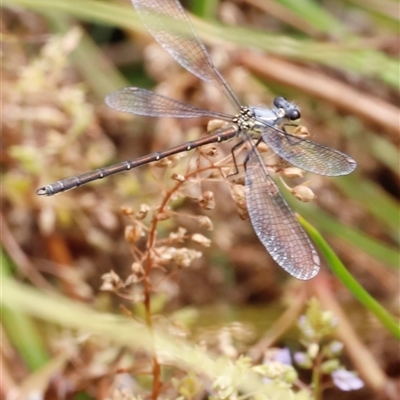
x=168 y=23
x=308 y=155
x=145 y=102
x=275 y=224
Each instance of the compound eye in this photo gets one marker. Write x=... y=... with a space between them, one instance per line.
x=279 y=102
x=293 y=115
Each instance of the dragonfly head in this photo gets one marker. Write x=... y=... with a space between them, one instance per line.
x=288 y=109
x=280 y=114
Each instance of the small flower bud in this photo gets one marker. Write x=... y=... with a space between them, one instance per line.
x=293 y=172
x=301 y=131
x=333 y=349
x=133 y=233
x=165 y=162
x=279 y=355
x=178 y=177
x=183 y=257
x=205 y=222
x=142 y=213
x=306 y=329
x=209 y=150
x=238 y=193
x=179 y=235
x=128 y=211
x=235 y=178
x=137 y=268
x=207 y=201
x=290 y=375
x=313 y=350
x=303 y=193
x=200 y=239
x=302 y=360
x=329 y=319
x=329 y=366
x=262 y=147
x=215 y=124
x=136 y=275
x=111 y=281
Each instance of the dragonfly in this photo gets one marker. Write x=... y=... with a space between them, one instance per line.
x=273 y=221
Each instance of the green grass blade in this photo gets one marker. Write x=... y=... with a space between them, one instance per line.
x=337 y=267
x=20 y=329
x=127 y=332
x=315 y=15
x=206 y=9
x=350 y=55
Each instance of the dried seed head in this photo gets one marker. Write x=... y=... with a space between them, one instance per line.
x=293 y=172
x=200 y=239
x=214 y=174
x=238 y=193
x=215 y=124
x=111 y=282
x=274 y=161
x=174 y=158
x=183 y=257
x=179 y=235
x=301 y=131
x=207 y=200
x=142 y=213
x=137 y=268
x=205 y=222
x=133 y=233
x=262 y=147
x=235 y=178
x=165 y=162
x=131 y=279
x=303 y=193
x=178 y=177
x=136 y=275
x=164 y=254
x=209 y=150
x=128 y=211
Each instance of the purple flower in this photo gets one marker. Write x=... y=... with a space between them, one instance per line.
x=336 y=347
x=283 y=356
x=346 y=380
x=302 y=360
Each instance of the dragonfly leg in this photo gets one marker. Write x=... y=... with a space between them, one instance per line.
x=233 y=149
x=249 y=154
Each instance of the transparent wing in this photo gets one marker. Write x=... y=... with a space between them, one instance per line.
x=308 y=155
x=168 y=23
x=145 y=102
x=275 y=224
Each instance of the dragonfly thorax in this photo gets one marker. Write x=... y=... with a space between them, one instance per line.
x=255 y=118
x=245 y=119
x=282 y=112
